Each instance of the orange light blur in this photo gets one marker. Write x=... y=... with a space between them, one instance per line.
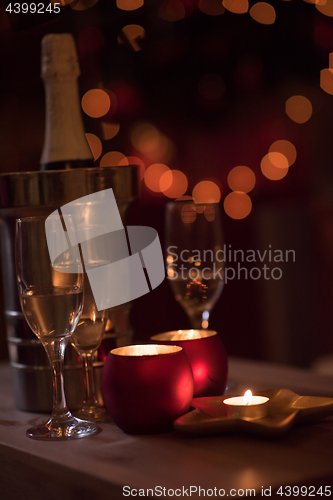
x=326 y=80
x=287 y=149
x=299 y=108
x=188 y=213
x=236 y=6
x=83 y=4
x=129 y=4
x=109 y=130
x=330 y=64
x=325 y=8
x=274 y=167
x=263 y=13
x=211 y=7
x=153 y=175
x=173 y=183
x=206 y=192
x=200 y=208
x=111 y=159
x=145 y=137
x=237 y=205
x=134 y=160
x=209 y=213
x=151 y=142
x=133 y=35
x=95 y=145
x=241 y=179
x=62 y=2
x=172 y=10
x=96 y=103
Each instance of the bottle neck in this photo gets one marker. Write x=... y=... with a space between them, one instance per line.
x=64 y=132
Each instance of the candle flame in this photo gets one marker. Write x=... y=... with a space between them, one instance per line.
x=187 y=335
x=247 y=397
x=141 y=350
x=145 y=350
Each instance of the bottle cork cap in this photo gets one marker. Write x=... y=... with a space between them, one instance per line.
x=59 y=57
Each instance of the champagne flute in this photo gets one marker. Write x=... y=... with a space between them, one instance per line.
x=52 y=302
x=194 y=256
x=86 y=339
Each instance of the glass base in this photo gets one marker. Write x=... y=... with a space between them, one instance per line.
x=93 y=414
x=71 y=428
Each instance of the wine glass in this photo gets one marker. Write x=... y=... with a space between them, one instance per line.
x=86 y=339
x=195 y=263
x=51 y=297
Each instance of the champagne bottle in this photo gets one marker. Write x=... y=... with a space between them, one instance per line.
x=65 y=144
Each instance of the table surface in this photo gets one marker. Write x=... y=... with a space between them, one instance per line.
x=99 y=467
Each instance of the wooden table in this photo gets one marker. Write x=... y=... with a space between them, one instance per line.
x=100 y=467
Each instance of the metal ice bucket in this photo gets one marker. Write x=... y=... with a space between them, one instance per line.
x=40 y=193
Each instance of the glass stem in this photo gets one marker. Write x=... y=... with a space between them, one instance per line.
x=88 y=360
x=55 y=350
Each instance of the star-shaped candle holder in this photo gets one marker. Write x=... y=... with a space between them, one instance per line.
x=285 y=409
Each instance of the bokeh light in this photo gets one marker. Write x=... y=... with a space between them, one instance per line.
x=145 y=137
x=206 y=192
x=134 y=160
x=274 y=166
x=237 y=205
x=172 y=10
x=129 y=4
x=241 y=178
x=325 y=7
x=299 y=108
x=326 y=80
x=236 y=6
x=263 y=13
x=96 y=103
x=188 y=213
x=173 y=183
x=95 y=145
x=287 y=149
x=211 y=7
x=209 y=212
x=132 y=35
x=111 y=159
x=153 y=175
x=109 y=130
x=151 y=142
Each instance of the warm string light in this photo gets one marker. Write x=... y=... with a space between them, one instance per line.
x=263 y=13
x=151 y=142
x=96 y=103
x=133 y=36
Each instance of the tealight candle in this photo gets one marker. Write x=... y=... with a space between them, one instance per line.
x=146 y=387
x=247 y=407
x=207 y=356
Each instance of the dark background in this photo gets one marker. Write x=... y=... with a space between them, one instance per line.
x=287 y=320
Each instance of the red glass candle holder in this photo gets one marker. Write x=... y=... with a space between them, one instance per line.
x=145 y=388
x=207 y=356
